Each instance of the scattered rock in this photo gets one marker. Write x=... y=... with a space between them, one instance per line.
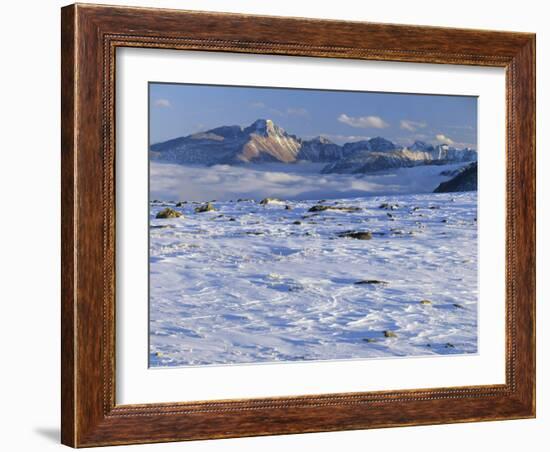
x=425 y=302
x=320 y=208
x=232 y=219
x=444 y=220
x=181 y=203
x=297 y=222
x=388 y=206
x=359 y=235
x=458 y=306
x=266 y=201
x=168 y=213
x=449 y=345
x=243 y=199
x=433 y=207
x=389 y=333
x=287 y=207
x=208 y=207
x=371 y=281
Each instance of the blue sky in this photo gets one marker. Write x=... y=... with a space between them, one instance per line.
x=342 y=116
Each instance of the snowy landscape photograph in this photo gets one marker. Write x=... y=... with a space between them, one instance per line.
x=292 y=225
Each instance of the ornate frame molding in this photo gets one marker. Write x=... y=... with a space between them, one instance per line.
x=90 y=37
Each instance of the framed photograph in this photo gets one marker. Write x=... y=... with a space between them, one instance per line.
x=281 y=225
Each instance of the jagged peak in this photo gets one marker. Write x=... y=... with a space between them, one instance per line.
x=321 y=139
x=264 y=127
x=420 y=145
x=260 y=123
x=381 y=143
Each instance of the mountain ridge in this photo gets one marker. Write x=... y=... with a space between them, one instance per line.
x=263 y=141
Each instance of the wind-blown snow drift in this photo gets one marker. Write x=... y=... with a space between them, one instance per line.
x=252 y=283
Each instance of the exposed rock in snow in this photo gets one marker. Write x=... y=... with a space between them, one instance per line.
x=168 y=213
x=465 y=180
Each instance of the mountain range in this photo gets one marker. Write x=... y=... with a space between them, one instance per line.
x=264 y=141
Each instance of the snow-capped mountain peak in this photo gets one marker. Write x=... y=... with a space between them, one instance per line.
x=263 y=127
x=265 y=141
x=421 y=146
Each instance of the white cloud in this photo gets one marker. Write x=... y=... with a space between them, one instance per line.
x=163 y=103
x=443 y=139
x=412 y=126
x=364 y=122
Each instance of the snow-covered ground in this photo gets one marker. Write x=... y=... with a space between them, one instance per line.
x=251 y=283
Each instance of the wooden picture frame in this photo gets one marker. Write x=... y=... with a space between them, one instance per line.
x=90 y=36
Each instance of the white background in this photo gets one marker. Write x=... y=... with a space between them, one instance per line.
x=137 y=384
x=30 y=227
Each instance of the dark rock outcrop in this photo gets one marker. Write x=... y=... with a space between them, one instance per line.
x=168 y=213
x=208 y=207
x=359 y=235
x=465 y=180
x=321 y=208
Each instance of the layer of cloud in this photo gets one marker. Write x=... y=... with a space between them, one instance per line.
x=411 y=126
x=297 y=181
x=443 y=139
x=163 y=103
x=363 y=122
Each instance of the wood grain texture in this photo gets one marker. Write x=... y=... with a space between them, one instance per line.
x=68 y=243
x=90 y=36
